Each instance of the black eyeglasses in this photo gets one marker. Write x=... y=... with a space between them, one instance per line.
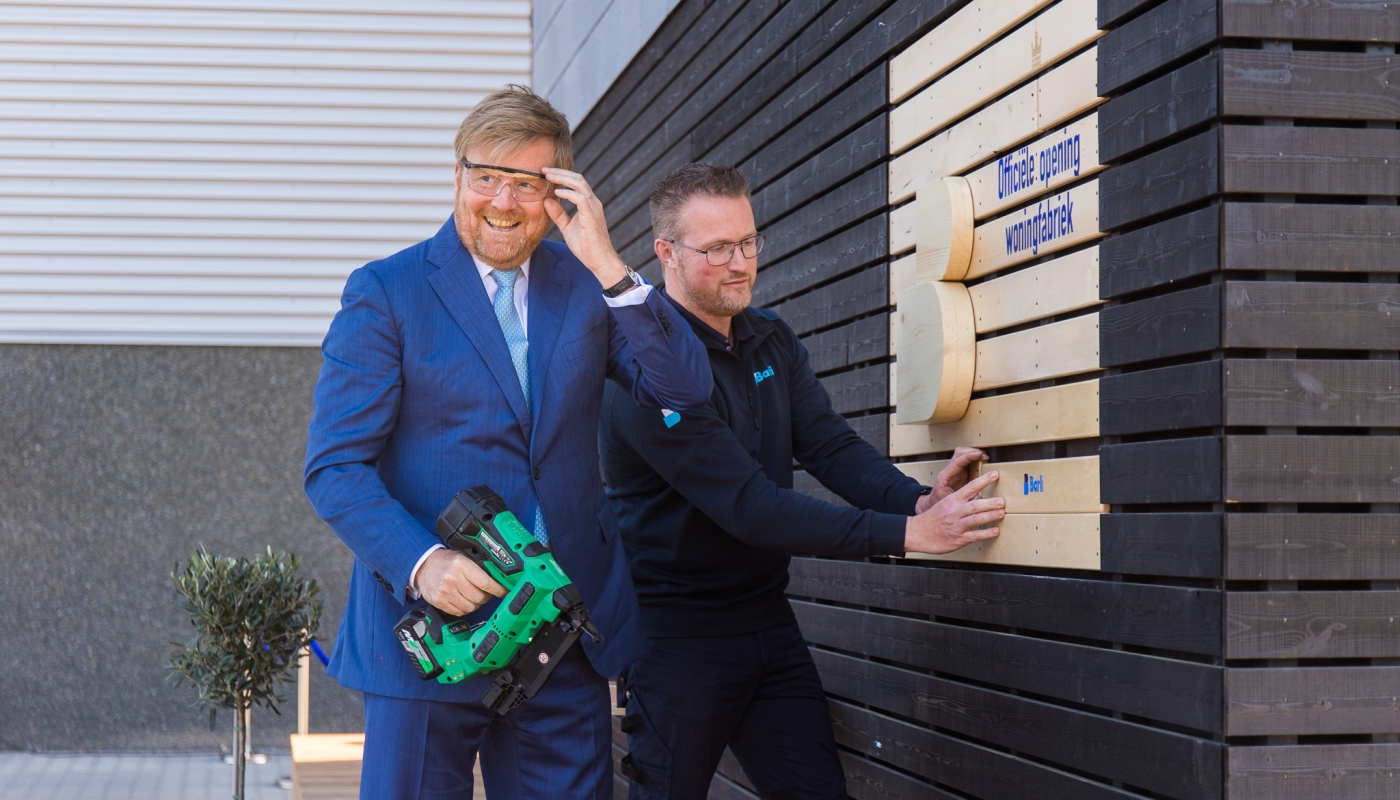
x=488 y=180
x=717 y=255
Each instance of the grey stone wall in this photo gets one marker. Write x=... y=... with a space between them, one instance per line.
x=115 y=463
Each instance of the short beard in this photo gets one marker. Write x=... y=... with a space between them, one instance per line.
x=716 y=304
x=498 y=254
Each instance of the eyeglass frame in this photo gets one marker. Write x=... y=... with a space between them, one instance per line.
x=469 y=165
x=758 y=238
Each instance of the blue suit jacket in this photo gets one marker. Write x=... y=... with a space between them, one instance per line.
x=418 y=399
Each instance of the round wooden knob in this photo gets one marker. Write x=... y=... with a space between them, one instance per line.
x=937 y=353
x=943 y=230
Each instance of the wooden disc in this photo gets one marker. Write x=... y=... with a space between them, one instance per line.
x=943 y=230
x=937 y=353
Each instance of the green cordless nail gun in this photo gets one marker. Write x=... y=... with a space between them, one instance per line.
x=538 y=620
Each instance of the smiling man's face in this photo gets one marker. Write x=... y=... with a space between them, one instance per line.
x=500 y=230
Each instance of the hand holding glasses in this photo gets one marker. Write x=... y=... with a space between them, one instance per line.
x=718 y=255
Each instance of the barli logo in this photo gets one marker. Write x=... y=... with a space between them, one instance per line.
x=1032 y=484
x=759 y=376
x=670 y=417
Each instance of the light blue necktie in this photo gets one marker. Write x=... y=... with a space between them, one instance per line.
x=519 y=353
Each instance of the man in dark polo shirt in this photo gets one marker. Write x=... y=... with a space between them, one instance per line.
x=705 y=504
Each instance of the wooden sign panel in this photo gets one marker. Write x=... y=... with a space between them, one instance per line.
x=1055 y=541
x=963 y=34
x=1058 y=222
x=1052 y=414
x=1042 y=166
x=939 y=348
x=1051 y=486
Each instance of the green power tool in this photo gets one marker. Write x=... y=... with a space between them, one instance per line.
x=539 y=619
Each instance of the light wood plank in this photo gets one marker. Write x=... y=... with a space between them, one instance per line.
x=1058 y=222
x=903 y=223
x=1030 y=109
x=1068 y=347
x=1040 y=415
x=961 y=35
x=326 y=766
x=901 y=278
x=939 y=348
x=1065 y=284
x=1039 y=43
x=943 y=230
x=1042 y=166
x=1050 y=486
x=1060 y=541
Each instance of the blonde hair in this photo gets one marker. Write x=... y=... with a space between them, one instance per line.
x=512 y=118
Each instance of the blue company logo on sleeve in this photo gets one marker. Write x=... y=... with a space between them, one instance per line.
x=670 y=417
x=767 y=373
x=1031 y=484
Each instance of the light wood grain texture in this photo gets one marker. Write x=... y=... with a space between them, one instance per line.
x=1059 y=541
x=1311 y=701
x=952 y=41
x=937 y=364
x=903 y=222
x=943 y=230
x=1050 y=486
x=1065 y=284
x=326 y=766
x=1053 y=224
x=901 y=278
x=1040 y=415
x=1039 y=167
x=1032 y=108
x=1068 y=347
x=1039 y=43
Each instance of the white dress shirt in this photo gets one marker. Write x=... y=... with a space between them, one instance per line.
x=634 y=296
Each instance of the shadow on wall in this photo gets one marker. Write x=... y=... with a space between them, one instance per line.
x=117 y=462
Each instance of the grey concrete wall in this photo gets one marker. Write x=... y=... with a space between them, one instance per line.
x=115 y=463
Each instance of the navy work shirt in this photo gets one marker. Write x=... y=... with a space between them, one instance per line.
x=704 y=498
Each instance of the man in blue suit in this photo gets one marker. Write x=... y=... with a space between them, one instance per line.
x=480 y=356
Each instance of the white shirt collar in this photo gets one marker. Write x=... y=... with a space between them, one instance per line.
x=485 y=269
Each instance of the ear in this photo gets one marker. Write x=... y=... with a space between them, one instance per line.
x=666 y=252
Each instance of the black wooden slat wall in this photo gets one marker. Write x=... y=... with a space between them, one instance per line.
x=1251 y=200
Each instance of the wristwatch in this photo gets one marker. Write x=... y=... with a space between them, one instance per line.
x=628 y=281
x=924 y=491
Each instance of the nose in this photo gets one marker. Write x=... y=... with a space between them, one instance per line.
x=505 y=199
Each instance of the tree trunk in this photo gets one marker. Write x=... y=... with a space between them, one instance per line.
x=240 y=746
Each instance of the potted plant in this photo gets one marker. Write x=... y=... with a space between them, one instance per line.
x=251 y=618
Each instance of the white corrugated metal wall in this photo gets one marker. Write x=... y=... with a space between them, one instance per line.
x=209 y=172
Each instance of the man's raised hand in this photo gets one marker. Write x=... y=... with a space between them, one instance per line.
x=961 y=469
x=454 y=583
x=955 y=521
x=586 y=232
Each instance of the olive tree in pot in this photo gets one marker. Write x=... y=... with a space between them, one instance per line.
x=251 y=619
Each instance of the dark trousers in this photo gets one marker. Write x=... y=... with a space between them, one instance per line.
x=556 y=745
x=758 y=694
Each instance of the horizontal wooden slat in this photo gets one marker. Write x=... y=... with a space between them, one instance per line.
x=1311 y=392
x=903 y=228
x=1357 y=21
x=1175 y=324
x=1145 y=686
x=1292 y=547
x=981 y=771
x=1166 y=33
x=1040 y=415
x=1298 y=160
x=1174 y=103
x=959 y=36
x=1166 y=617
x=1351 y=316
x=1057 y=222
x=1040 y=42
x=1312 y=624
x=1050 y=486
x=1172 y=764
x=1164 y=399
x=1068 y=347
x=1312 y=469
x=1167 y=471
x=1311 y=237
x=1184 y=544
x=847 y=251
x=861 y=293
x=1042 y=166
x=1068 y=283
x=1046 y=102
x=1312 y=701
x=1303 y=84
x=1052 y=541
x=858 y=390
x=1161 y=181
x=1156 y=255
x=868 y=780
x=1314 y=772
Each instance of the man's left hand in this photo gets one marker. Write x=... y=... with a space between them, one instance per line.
x=962 y=468
x=586 y=232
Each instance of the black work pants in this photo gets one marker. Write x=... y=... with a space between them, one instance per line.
x=757 y=693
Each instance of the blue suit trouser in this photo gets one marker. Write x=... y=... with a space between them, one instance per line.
x=557 y=745
x=758 y=694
